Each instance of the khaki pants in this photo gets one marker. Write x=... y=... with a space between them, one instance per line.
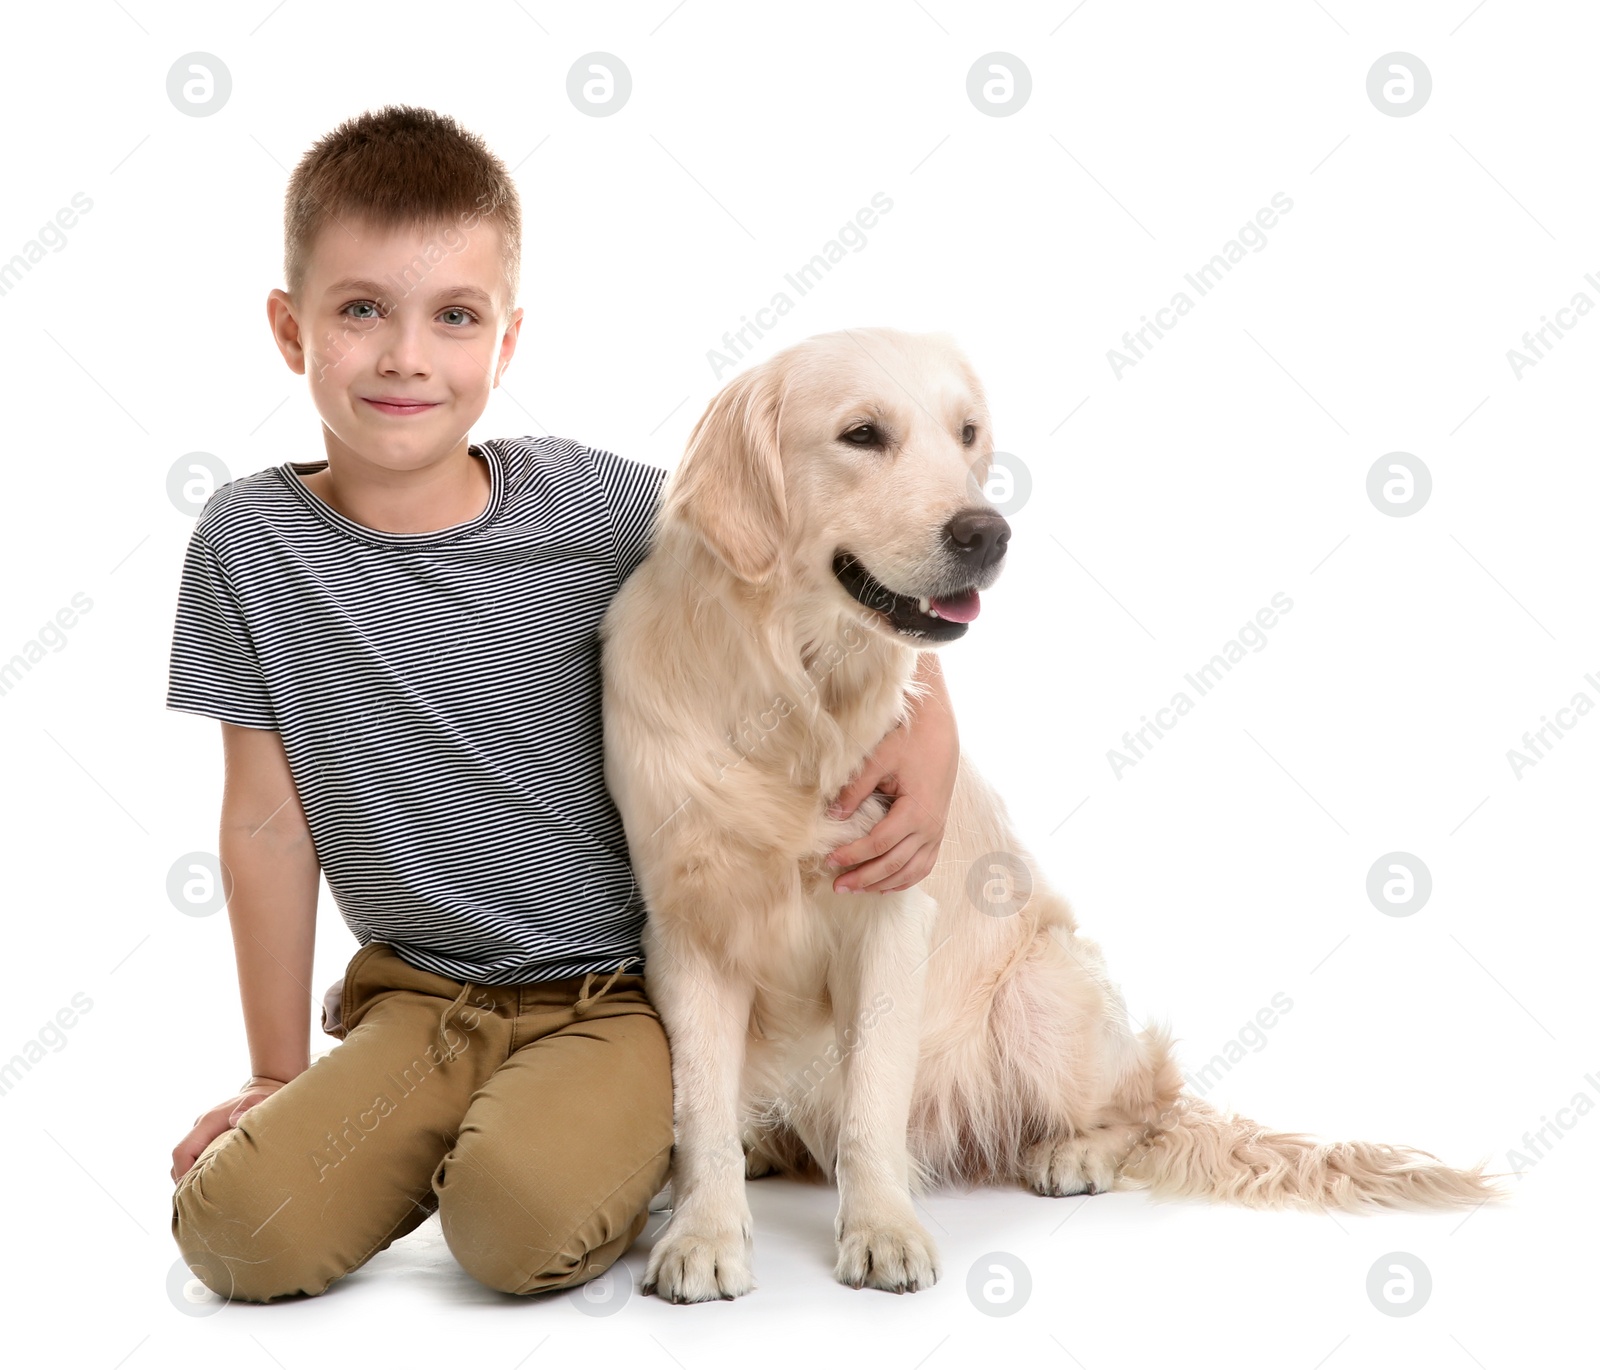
x=535 y=1119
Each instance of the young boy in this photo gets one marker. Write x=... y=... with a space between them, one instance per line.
x=401 y=645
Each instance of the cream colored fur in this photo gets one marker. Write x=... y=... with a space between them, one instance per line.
x=897 y=1042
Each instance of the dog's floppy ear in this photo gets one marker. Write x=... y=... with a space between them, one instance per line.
x=729 y=486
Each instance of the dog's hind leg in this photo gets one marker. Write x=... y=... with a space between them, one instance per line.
x=777 y=1150
x=1085 y=1163
x=758 y=1162
x=1072 y=1061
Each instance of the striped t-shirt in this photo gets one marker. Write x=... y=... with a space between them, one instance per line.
x=438 y=697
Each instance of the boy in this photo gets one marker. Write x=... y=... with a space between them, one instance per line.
x=401 y=645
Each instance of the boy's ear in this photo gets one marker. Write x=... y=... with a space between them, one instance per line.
x=729 y=485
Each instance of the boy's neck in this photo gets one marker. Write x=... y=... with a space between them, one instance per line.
x=451 y=491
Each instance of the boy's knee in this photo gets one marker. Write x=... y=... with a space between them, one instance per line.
x=230 y=1261
x=572 y=1267
x=523 y=1244
x=514 y=1266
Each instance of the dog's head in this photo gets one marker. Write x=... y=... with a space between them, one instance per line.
x=851 y=466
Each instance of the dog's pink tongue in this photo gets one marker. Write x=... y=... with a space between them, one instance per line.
x=961 y=609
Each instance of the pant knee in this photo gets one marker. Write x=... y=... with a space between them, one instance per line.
x=237 y=1250
x=574 y=1266
x=223 y=1256
x=521 y=1247
x=514 y=1268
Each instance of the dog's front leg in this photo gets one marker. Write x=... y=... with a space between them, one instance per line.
x=876 y=986
x=704 y=1250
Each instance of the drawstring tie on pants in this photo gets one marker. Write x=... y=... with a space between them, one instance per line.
x=450 y=1052
x=583 y=1000
x=581 y=1004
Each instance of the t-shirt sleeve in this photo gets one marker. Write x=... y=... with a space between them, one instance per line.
x=631 y=492
x=213 y=669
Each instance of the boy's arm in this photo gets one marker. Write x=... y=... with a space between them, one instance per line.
x=917 y=763
x=270 y=880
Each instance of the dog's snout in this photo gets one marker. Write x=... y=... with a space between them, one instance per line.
x=979 y=537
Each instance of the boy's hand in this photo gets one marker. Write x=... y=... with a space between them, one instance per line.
x=215 y=1122
x=917 y=764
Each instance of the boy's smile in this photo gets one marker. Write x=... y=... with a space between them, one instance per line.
x=403 y=334
x=400 y=405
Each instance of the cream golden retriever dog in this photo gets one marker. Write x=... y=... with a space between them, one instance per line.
x=825 y=525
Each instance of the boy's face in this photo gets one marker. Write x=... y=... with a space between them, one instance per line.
x=408 y=315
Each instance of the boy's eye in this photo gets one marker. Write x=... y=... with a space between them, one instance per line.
x=468 y=317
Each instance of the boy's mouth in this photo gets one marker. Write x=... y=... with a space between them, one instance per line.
x=400 y=406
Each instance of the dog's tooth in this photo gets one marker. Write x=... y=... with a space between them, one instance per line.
x=923 y=604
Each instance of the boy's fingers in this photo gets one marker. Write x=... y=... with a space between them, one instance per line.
x=884 y=867
x=913 y=871
x=897 y=880
x=887 y=833
x=850 y=797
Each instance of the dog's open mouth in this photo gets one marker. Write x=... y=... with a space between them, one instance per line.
x=940 y=618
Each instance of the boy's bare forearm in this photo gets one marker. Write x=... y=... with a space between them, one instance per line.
x=272 y=908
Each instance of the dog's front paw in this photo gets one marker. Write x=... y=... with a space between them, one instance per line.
x=687 y=1266
x=897 y=1256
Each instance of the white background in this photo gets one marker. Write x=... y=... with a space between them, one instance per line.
x=1228 y=866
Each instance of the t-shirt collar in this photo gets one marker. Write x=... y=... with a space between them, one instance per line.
x=292 y=471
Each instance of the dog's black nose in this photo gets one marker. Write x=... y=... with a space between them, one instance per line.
x=979 y=536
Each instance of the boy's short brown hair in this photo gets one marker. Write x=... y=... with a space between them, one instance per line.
x=400 y=167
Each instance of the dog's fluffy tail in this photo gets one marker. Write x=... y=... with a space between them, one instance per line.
x=1195 y=1151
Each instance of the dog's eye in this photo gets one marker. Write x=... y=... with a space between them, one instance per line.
x=969 y=435
x=867 y=435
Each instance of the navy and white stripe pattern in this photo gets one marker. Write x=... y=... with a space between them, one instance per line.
x=438 y=697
